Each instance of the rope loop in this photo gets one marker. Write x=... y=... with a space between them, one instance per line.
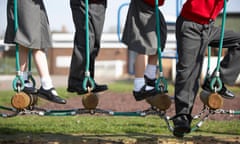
x=18 y=83
x=31 y=79
x=216 y=84
x=88 y=80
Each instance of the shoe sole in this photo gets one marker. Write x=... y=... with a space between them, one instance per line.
x=80 y=93
x=97 y=91
x=181 y=131
x=74 y=91
x=46 y=98
x=227 y=97
x=139 y=98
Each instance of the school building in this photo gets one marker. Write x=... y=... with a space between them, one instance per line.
x=114 y=59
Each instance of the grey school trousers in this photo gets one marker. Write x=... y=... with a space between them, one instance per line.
x=192 y=41
x=96 y=20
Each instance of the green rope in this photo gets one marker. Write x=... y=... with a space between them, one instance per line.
x=216 y=79
x=128 y=114
x=18 y=81
x=87 y=73
x=72 y=112
x=233 y=112
x=7 y=108
x=161 y=80
x=67 y=113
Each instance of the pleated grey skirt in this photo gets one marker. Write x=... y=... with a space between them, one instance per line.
x=33 y=25
x=140 y=28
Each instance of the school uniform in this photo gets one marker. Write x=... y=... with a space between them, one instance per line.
x=97 y=9
x=195 y=30
x=140 y=28
x=33 y=32
x=33 y=26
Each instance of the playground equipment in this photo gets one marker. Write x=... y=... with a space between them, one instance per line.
x=26 y=103
x=22 y=100
x=214 y=100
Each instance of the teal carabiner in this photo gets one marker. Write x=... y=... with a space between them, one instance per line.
x=161 y=85
x=18 y=83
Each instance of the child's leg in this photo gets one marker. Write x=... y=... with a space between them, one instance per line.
x=41 y=63
x=47 y=90
x=144 y=82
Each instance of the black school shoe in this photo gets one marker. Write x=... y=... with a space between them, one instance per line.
x=181 y=125
x=143 y=93
x=79 y=89
x=29 y=90
x=51 y=95
x=224 y=92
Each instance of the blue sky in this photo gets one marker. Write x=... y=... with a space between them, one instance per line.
x=59 y=13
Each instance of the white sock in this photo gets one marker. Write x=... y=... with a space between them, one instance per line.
x=139 y=83
x=150 y=71
x=25 y=78
x=46 y=83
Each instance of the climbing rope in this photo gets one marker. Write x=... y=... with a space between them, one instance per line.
x=87 y=73
x=79 y=111
x=30 y=77
x=18 y=82
x=161 y=83
x=216 y=79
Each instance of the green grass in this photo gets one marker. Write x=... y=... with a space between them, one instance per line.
x=100 y=125
x=104 y=125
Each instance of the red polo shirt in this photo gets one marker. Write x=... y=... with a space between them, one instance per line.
x=152 y=2
x=201 y=11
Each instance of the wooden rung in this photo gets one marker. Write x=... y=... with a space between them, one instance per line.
x=160 y=101
x=90 y=100
x=212 y=100
x=20 y=100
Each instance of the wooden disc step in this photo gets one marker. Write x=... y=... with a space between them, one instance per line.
x=22 y=100
x=212 y=100
x=90 y=100
x=160 y=101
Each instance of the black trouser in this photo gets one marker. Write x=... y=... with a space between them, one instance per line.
x=96 y=20
x=192 y=41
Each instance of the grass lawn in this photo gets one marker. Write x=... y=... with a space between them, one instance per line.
x=105 y=129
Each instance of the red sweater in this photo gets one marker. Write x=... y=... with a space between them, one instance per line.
x=202 y=11
x=152 y=2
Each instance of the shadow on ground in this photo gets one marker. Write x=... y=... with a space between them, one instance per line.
x=21 y=137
